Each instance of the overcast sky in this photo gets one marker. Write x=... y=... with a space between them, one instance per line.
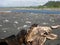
x=8 y=3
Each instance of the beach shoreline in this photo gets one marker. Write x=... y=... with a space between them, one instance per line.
x=6 y=9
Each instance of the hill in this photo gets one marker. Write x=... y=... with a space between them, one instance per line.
x=53 y=4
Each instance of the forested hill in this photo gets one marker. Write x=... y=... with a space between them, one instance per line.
x=52 y=4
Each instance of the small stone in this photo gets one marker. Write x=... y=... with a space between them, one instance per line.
x=4 y=31
x=28 y=22
x=19 y=28
x=16 y=22
x=0 y=25
x=6 y=20
x=45 y=23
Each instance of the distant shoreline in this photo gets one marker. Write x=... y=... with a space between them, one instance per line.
x=7 y=9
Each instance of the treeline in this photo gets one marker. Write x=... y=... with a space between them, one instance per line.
x=51 y=4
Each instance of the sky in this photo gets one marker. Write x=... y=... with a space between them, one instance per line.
x=12 y=3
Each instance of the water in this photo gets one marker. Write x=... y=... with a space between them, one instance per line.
x=35 y=11
x=38 y=11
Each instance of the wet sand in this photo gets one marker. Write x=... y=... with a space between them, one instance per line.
x=11 y=23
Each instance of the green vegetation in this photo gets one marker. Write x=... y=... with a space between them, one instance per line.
x=52 y=4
